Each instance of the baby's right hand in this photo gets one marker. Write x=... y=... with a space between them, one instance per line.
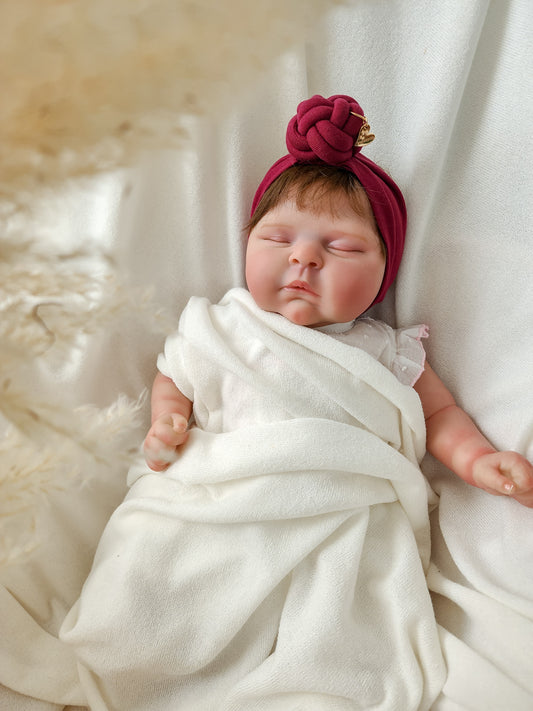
x=166 y=434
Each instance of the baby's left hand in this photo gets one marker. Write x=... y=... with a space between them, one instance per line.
x=505 y=474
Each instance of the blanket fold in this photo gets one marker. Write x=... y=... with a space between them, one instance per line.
x=277 y=565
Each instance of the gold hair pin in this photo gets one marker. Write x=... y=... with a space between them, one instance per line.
x=364 y=136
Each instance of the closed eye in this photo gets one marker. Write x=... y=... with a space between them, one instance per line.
x=279 y=239
x=348 y=247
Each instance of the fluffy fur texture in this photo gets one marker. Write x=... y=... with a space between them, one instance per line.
x=87 y=86
x=103 y=81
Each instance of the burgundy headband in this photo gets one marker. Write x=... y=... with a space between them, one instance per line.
x=332 y=131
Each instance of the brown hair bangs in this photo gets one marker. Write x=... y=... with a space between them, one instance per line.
x=316 y=188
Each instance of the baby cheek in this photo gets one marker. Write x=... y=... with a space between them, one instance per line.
x=250 y=279
x=347 y=299
x=257 y=279
x=358 y=289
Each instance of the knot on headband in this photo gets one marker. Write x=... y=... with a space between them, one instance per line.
x=332 y=130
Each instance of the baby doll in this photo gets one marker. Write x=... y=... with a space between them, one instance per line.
x=280 y=561
x=325 y=242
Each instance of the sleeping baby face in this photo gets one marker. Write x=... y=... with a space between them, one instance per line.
x=314 y=268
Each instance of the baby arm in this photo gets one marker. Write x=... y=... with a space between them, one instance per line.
x=454 y=439
x=171 y=411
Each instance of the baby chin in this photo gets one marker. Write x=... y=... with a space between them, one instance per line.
x=303 y=313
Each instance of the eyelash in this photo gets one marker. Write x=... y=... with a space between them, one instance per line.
x=344 y=249
x=279 y=240
x=329 y=246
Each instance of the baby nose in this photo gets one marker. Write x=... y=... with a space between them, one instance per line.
x=306 y=255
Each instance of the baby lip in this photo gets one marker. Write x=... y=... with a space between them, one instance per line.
x=301 y=286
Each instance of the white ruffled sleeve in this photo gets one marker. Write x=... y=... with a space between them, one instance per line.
x=408 y=363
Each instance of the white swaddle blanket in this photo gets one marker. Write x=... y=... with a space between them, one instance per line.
x=278 y=564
